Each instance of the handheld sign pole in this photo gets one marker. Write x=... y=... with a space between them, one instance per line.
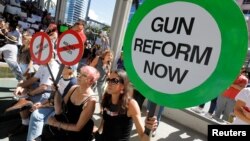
x=51 y=74
x=153 y=111
x=55 y=81
x=60 y=72
x=182 y=60
x=41 y=50
x=69 y=48
x=58 y=75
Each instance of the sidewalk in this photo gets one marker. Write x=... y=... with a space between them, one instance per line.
x=168 y=129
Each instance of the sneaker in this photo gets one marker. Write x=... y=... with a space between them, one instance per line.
x=218 y=119
x=197 y=110
x=208 y=115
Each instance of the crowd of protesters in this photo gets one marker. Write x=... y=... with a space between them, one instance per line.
x=45 y=101
x=223 y=107
x=64 y=111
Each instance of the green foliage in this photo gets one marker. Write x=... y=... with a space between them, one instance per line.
x=92 y=31
x=5 y=73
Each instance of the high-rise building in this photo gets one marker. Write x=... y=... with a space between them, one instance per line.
x=134 y=7
x=75 y=9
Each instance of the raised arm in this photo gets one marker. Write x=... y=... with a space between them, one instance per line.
x=94 y=62
x=135 y=113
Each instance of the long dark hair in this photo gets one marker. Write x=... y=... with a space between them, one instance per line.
x=124 y=98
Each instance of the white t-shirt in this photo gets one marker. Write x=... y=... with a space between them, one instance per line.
x=244 y=95
x=44 y=75
x=63 y=83
x=9 y=52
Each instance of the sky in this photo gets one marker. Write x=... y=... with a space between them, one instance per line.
x=102 y=10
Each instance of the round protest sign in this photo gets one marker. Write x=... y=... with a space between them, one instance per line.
x=70 y=47
x=185 y=52
x=41 y=48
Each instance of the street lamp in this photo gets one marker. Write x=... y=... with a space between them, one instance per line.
x=87 y=13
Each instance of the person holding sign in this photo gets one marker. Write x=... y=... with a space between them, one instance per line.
x=159 y=114
x=80 y=107
x=42 y=111
x=37 y=95
x=120 y=111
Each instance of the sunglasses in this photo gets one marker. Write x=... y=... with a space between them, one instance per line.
x=114 y=81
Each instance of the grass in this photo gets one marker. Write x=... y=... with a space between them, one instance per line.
x=5 y=72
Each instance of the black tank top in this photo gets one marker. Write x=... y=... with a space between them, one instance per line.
x=73 y=114
x=116 y=127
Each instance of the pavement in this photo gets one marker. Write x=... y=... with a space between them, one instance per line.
x=168 y=129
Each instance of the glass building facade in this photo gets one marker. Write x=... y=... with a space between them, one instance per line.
x=75 y=9
x=133 y=9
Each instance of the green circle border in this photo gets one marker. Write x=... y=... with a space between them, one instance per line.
x=234 y=36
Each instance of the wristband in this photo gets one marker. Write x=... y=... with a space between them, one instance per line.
x=147 y=131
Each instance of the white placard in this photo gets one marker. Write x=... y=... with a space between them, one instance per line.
x=36 y=17
x=24 y=24
x=69 y=47
x=35 y=26
x=174 y=52
x=13 y=10
x=31 y=20
x=41 y=48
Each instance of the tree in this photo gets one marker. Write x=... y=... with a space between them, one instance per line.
x=49 y=4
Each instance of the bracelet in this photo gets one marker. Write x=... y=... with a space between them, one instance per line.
x=147 y=131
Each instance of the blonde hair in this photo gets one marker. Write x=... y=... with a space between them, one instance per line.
x=26 y=45
x=105 y=52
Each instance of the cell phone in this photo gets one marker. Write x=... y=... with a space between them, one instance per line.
x=246 y=108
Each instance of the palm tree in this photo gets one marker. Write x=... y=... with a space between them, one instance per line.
x=49 y=4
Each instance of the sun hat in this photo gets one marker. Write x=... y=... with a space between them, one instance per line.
x=11 y=38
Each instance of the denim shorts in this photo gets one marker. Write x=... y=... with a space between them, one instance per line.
x=40 y=97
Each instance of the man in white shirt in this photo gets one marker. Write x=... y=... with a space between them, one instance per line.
x=36 y=95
